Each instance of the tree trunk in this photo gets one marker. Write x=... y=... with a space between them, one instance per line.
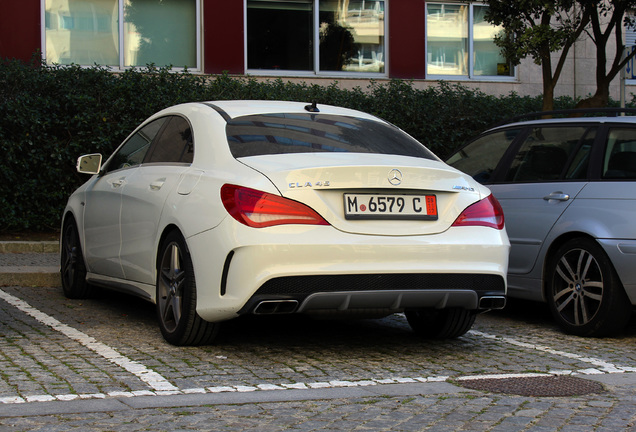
x=548 y=84
x=548 y=98
x=600 y=99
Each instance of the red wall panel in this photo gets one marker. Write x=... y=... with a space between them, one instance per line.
x=407 y=57
x=223 y=36
x=19 y=28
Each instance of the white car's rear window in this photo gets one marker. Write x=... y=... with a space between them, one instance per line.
x=266 y=134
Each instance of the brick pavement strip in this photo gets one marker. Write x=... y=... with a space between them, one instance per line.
x=344 y=409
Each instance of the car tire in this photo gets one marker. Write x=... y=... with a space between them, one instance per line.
x=177 y=296
x=584 y=293
x=72 y=267
x=440 y=323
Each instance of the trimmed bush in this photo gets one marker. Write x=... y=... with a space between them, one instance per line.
x=49 y=115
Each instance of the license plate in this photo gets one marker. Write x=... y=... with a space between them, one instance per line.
x=390 y=206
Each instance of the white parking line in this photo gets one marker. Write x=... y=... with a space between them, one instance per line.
x=225 y=389
x=601 y=365
x=152 y=378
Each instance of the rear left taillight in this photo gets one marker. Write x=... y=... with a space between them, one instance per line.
x=259 y=209
x=487 y=212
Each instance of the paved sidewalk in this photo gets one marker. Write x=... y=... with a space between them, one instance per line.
x=407 y=407
x=31 y=264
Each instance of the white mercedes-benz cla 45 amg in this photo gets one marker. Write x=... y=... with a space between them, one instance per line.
x=212 y=210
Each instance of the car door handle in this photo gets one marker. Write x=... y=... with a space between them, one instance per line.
x=557 y=196
x=156 y=185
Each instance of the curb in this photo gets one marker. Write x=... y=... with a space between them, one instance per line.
x=29 y=247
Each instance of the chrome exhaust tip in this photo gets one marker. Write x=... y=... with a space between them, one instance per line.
x=272 y=307
x=492 y=302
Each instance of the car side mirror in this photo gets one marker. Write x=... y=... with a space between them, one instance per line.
x=89 y=164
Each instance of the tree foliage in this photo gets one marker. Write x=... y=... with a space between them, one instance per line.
x=536 y=29
x=539 y=28
x=607 y=20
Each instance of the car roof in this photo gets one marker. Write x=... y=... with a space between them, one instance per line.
x=239 y=108
x=568 y=120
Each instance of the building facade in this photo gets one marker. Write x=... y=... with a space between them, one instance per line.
x=315 y=41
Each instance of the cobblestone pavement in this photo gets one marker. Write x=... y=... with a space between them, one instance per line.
x=101 y=364
x=30 y=259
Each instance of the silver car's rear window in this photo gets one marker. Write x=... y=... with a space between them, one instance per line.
x=266 y=134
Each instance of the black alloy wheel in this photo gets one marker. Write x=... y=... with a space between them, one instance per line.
x=72 y=267
x=176 y=296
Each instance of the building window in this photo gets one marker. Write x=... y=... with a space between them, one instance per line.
x=316 y=36
x=460 y=42
x=122 y=33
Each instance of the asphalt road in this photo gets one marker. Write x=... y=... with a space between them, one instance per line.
x=102 y=365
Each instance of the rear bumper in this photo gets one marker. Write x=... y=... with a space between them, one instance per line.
x=381 y=292
x=309 y=269
x=622 y=253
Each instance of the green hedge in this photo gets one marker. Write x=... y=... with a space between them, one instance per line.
x=49 y=115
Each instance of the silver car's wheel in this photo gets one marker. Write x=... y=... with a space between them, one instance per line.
x=584 y=293
x=72 y=268
x=440 y=323
x=176 y=297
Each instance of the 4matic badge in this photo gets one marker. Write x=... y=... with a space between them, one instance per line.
x=464 y=188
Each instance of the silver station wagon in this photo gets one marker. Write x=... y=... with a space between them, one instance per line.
x=568 y=190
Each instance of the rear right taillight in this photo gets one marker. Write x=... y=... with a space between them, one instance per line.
x=487 y=212
x=259 y=209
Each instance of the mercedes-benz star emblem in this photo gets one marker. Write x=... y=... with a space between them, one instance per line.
x=395 y=177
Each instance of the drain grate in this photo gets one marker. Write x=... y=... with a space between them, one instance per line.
x=535 y=386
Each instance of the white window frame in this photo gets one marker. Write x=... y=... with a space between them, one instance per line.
x=316 y=41
x=120 y=21
x=629 y=34
x=471 y=76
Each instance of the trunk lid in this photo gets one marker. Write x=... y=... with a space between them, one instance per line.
x=321 y=180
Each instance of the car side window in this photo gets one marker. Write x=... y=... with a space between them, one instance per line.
x=132 y=153
x=480 y=157
x=174 y=144
x=619 y=161
x=552 y=153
